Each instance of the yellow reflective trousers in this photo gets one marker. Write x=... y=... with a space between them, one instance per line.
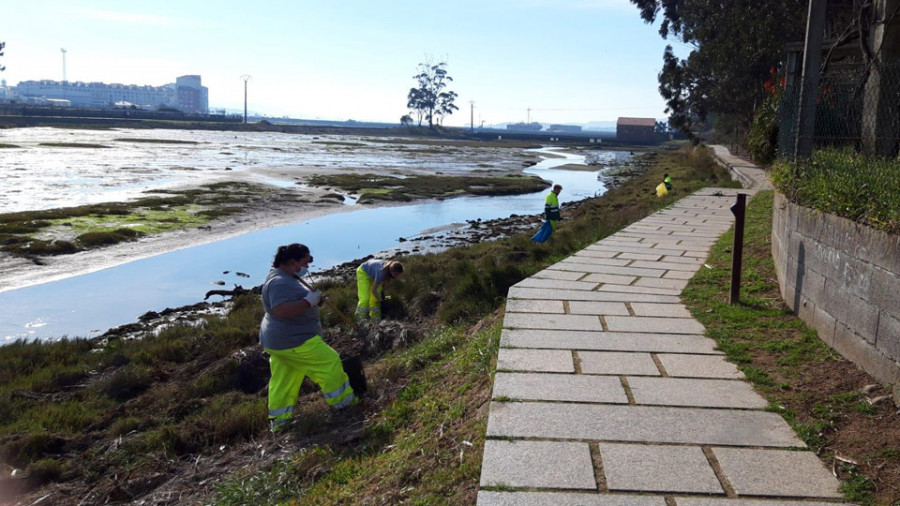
x=315 y=359
x=368 y=304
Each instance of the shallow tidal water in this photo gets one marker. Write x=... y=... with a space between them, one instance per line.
x=89 y=304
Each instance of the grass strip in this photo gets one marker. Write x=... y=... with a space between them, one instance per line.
x=845 y=183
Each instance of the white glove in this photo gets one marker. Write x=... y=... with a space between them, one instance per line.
x=313 y=298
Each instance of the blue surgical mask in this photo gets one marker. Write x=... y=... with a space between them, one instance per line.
x=303 y=272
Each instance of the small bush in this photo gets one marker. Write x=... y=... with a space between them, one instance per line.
x=44 y=470
x=126 y=383
x=95 y=239
x=25 y=246
x=123 y=426
x=28 y=448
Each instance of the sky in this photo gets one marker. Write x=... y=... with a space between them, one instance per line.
x=551 y=61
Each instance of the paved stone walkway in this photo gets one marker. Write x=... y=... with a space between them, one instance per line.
x=607 y=391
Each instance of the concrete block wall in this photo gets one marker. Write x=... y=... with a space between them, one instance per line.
x=843 y=279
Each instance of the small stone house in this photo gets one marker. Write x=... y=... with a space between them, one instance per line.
x=637 y=130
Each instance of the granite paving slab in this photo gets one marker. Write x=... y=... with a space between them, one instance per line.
x=535 y=306
x=670 y=310
x=540 y=293
x=598 y=308
x=669 y=266
x=707 y=393
x=680 y=274
x=647 y=249
x=552 y=321
x=607 y=269
x=609 y=341
x=776 y=473
x=649 y=290
x=559 y=387
x=575 y=259
x=709 y=501
x=587 y=253
x=641 y=256
x=561 y=275
x=557 y=284
x=699 y=366
x=610 y=362
x=682 y=260
x=509 y=359
x=671 y=284
x=653 y=468
x=548 y=464
x=647 y=324
x=489 y=498
x=649 y=424
x=609 y=278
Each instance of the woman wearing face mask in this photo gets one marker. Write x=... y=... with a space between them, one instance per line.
x=291 y=334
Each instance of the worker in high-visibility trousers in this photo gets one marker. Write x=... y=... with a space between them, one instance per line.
x=551 y=215
x=291 y=334
x=551 y=206
x=371 y=277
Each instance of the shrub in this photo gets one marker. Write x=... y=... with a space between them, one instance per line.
x=44 y=470
x=125 y=383
x=95 y=239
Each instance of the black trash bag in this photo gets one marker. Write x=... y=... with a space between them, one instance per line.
x=353 y=366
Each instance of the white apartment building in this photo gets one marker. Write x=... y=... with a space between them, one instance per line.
x=186 y=94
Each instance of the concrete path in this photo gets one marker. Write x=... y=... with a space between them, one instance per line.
x=607 y=391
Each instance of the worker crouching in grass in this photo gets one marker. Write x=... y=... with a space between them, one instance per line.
x=371 y=277
x=291 y=334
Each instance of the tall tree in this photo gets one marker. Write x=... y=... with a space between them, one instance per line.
x=734 y=45
x=429 y=99
x=2 y=45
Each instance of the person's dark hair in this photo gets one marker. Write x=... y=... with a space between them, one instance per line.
x=394 y=267
x=294 y=251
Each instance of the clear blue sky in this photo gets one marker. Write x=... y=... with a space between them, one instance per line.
x=569 y=61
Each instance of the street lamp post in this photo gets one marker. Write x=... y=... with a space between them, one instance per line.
x=245 y=78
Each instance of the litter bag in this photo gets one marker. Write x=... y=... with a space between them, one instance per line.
x=661 y=190
x=543 y=233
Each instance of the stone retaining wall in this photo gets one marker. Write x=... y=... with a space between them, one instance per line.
x=843 y=279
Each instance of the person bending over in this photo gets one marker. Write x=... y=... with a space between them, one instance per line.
x=371 y=277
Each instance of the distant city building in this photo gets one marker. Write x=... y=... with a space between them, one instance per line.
x=639 y=130
x=192 y=97
x=525 y=127
x=186 y=94
x=564 y=128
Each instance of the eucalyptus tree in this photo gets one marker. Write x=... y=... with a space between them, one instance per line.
x=734 y=44
x=430 y=99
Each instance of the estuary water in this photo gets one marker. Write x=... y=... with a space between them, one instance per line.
x=89 y=304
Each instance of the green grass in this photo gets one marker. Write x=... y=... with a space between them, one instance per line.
x=434 y=418
x=845 y=183
x=373 y=187
x=69 y=230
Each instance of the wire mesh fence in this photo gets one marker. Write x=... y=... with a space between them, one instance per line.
x=855 y=106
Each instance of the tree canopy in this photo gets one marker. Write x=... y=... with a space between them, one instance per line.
x=2 y=45
x=429 y=99
x=734 y=43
